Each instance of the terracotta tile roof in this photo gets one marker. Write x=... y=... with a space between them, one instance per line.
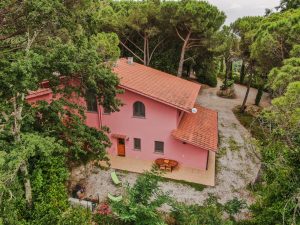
x=157 y=85
x=199 y=129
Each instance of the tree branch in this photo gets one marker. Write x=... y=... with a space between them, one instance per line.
x=189 y=58
x=179 y=34
x=3 y=38
x=131 y=51
x=191 y=46
x=159 y=43
x=134 y=44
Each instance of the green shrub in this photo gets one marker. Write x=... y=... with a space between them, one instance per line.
x=209 y=213
x=107 y=220
x=74 y=216
x=140 y=203
x=234 y=206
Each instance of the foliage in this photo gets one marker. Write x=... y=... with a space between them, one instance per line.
x=194 y=22
x=234 y=206
x=211 y=212
x=207 y=73
x=84 y=143
x=43 y=40
x=277 y=194
x=75 y=216
x=48 y=176
x=141 y=202
x=227 y=48
x=107 y=220
x=285 y=114
x=275 y=38
x=251 y=123
x=288 y=4
x=279 y=78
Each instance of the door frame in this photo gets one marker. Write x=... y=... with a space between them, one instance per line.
x=121 y=147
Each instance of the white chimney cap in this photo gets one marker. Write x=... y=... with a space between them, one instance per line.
x=194 y=110
x=130 y=60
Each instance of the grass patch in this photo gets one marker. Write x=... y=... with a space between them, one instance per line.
x=233 y=145
x=197 y=187
x=251 y=124
x=222 y=151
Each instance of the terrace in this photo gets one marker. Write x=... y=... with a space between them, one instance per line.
x=205 y=177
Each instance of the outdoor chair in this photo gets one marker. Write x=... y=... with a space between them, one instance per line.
x=114 y=198
x=115 y=178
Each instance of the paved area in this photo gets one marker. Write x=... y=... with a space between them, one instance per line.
x=237 y=163
x=206 y=177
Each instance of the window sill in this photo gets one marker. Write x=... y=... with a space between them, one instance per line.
x=159 y=153
x=91 y=111
x=136 y=150
x=138 y=117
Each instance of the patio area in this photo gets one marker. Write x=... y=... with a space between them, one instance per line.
x=206 y=177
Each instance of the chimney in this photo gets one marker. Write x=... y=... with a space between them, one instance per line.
x=130 y=60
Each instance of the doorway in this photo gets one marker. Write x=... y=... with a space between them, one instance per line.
x=121 y=147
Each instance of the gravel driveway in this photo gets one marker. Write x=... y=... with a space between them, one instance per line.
x=237 y=166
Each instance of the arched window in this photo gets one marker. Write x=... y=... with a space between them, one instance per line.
x=139 y=109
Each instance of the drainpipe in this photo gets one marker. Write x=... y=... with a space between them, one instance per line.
x=99 y=117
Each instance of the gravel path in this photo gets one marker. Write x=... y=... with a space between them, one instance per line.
x=236 y=164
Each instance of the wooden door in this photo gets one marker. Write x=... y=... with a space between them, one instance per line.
x=121 y=147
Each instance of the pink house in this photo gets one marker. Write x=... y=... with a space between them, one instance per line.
x=159 y=119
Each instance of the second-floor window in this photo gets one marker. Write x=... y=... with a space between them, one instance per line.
x=91 y=102
x=138 y=109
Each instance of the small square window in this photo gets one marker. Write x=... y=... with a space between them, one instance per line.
x=137 y=143
x=159 y=146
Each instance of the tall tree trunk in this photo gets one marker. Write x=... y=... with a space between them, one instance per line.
x=230 y=70
x=27 y=184
x=242 y=73
x=222 y=66
x=18 y=108
x=243 y=107
x=148 y=53
x=228 y=64
x=259 y=94
x=145 y=50
x=182 y=55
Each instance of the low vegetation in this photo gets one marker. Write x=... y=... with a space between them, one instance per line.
x=251 y=123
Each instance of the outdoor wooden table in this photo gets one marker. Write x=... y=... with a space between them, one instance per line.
x=166 y=164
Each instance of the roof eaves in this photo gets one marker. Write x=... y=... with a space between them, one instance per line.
x=191 y=143
x=154 y=98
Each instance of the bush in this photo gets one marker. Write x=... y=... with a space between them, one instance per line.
x=206 y=73
x=234 y=206
x=141 y=202
x=209 y=213
x=107 y=220
x=75 y=216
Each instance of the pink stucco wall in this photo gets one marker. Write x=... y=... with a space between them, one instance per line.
x=160 y=120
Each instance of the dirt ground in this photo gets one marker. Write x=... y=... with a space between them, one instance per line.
x=237 y=165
